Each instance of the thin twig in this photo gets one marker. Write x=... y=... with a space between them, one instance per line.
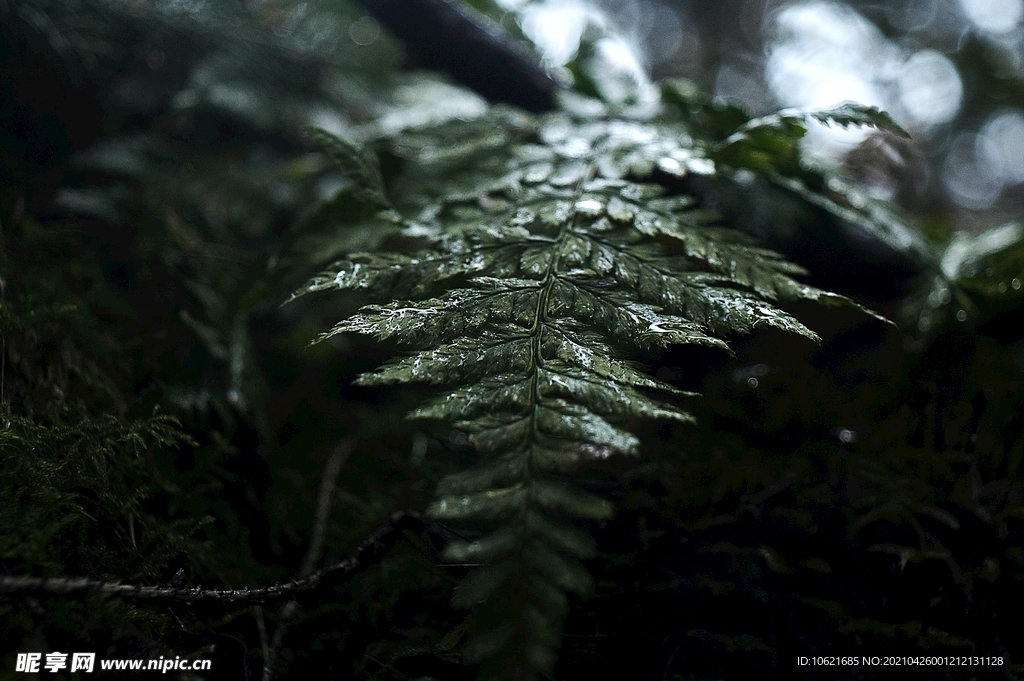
x=261 y=627
x=323 y=505
x=3 y=369
x=289 y=610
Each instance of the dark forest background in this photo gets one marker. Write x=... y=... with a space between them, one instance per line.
x=164 y=420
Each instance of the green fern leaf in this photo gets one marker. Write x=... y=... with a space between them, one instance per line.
x=359 y=165
x=554 y=258
x=850 y=113
x=770 y=141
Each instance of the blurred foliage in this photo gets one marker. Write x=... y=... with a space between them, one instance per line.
x=943 y=174
x=163 y=420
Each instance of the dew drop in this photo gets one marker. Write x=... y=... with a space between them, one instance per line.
x=364 y=31
x=671 y=166
x=701 y=166
x=752 y=382
x=961 y=316
x=589 y=207
x=744 y=177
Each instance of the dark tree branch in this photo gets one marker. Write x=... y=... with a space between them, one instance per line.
x=472 y=49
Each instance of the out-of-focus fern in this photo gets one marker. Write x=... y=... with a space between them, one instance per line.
x=552 y=252
x=769 y=145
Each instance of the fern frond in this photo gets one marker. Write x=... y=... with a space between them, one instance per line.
x=559 y=256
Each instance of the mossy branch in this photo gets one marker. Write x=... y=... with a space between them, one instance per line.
x=370 y=552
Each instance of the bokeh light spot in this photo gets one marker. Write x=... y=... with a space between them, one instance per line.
x=930 y=88
x=1001 y=146
x=968 y=185
x=556 y=27
x=995 y=16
